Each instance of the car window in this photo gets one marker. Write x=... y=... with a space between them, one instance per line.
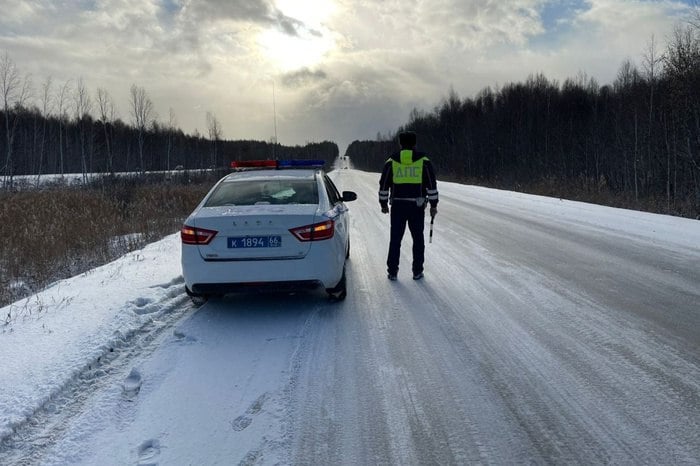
x=333 y=194
x=261 y=192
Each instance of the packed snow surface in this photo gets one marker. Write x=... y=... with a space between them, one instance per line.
x=544 y=331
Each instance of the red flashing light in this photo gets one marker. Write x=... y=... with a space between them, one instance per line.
x=254 y=163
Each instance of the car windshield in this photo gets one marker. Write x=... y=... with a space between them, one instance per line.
x=260 y=192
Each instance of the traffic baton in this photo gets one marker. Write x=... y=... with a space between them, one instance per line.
x=432 y=221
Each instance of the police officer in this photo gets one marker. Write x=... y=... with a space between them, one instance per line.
x=407 y=182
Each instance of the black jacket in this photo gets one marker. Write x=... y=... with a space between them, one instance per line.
x=427 y=189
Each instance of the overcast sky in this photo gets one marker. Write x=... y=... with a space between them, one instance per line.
x=342 y=69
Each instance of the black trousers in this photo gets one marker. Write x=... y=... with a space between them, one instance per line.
x=406 y=213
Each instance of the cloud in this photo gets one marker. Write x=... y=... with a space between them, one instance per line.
x=479 y=24
x=19 y=13
x=302 y=77
x=200 y=13
x=289 y=26
x=351 y=68
x=256 y=11
x=397 y=55
x=631 y=14
x=604 y=33
x=441 y=24
x=418 y=48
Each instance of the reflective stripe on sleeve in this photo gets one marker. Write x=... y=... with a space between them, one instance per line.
x=432 y=194
x=383 y=195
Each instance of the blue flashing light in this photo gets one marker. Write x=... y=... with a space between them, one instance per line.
x=300 y=163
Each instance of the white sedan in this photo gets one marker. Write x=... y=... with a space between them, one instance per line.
x=269 y=225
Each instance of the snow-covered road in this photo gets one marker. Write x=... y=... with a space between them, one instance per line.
x=545 y=331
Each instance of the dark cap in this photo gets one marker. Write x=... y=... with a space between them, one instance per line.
x=407 y=139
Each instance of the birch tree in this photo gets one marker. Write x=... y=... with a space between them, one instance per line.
x=46 y=110
x=62 y=114
x=105 y=106
x=214 y=128
x=651 y=64
x=172 y=125
x=142 y=113
x=83 y=106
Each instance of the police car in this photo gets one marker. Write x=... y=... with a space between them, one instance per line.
x=270 y=225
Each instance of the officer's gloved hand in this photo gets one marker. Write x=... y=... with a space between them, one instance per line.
x=385 y=209
x=433 y=211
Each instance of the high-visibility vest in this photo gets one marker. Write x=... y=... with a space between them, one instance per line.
x=407 y=171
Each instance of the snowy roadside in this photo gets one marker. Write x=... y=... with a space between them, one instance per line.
x=27 y=182
x=658 y=229
x=50 y=338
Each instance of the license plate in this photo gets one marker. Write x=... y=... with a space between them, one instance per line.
x=255 y=242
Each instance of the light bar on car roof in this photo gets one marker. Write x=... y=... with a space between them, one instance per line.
x=277 y=164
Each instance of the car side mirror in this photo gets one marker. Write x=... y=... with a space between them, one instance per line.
x=349 y=196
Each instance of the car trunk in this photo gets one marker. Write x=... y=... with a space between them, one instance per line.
x=259 y=232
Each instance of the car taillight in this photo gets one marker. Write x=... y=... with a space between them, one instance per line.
x=315 y=232
x=192 y=235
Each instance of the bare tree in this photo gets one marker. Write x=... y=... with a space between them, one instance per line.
x=14 y=92
x=83 y=106
x=105 y=106
x=694 y=20
x=651 y=64
x=62 y=114
x=214 y=128
x=172 y=124
x=142 y=113
x=46 y=109
x=682 y=60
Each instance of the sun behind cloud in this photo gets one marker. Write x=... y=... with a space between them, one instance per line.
x=289 y=53
x=307 y=44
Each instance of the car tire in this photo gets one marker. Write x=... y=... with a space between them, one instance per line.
x=197 y=299
x=339 y=292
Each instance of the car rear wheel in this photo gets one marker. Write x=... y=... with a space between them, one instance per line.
x=339 y=291
x=197 y=299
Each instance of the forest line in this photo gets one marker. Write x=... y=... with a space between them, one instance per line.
x=633 y=143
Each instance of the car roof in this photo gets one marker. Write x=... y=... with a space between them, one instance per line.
x=268 y=174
